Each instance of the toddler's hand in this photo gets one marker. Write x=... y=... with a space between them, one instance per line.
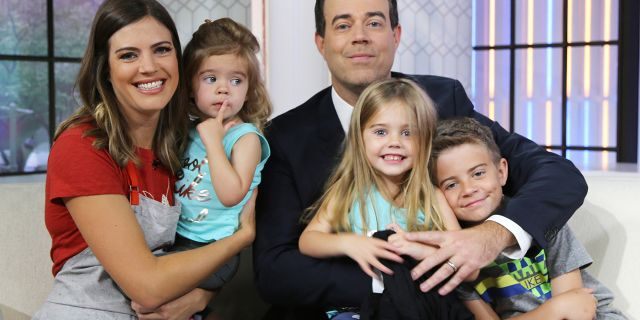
x=212 y=130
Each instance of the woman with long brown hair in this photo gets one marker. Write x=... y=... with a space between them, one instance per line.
x=109 y=188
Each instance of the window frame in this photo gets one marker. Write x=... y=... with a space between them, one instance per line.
x=628 y=73
x=51 y=59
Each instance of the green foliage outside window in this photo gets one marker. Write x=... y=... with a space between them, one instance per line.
x=24 y=75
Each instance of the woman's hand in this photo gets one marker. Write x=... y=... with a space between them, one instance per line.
x=247 y=229
x=366 y=251
x=181 y=308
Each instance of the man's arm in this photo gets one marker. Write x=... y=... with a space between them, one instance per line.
x=284 y=276
x=545 y=188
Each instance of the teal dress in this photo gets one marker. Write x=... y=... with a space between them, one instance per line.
x=204 y=218
x=379 y=214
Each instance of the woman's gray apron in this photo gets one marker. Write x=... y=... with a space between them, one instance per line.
x=84 y=290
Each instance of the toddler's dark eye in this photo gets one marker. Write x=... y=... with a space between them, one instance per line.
x=210 y=79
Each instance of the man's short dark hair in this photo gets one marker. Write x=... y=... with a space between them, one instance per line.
x=321 y=23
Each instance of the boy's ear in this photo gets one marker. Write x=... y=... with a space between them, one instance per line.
x=503 y=171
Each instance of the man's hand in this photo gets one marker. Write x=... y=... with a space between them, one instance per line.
x=461 y=253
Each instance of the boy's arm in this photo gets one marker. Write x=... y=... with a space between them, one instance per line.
x=481 y=310
x=576 y=304
x=569 y=300
x=566 y=282
x=318 y=240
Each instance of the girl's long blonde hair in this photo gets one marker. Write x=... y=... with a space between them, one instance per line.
x=354 y=177
x=225 y=36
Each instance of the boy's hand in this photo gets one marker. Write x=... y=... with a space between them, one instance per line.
x=575 y=304
x=366 y=252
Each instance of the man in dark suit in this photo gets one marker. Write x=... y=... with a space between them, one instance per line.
x=358 y=40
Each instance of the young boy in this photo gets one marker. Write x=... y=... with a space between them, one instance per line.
x=466 y=165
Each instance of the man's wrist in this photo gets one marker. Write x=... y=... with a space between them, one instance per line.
x=523 y=238
x=503 y=238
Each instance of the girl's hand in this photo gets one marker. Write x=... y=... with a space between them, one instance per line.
x=396 y=228
x=181 y=308
x=212 y=130
x=402 y=246
x=366 y=252
x=413 y=249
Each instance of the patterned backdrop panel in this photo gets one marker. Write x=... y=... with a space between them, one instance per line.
x=189 y=14
x=436 y=38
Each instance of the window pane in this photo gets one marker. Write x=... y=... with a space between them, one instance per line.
x=23 y=27
x=492 y=23
x=72 y=24
x=538 y=95
x=66 y=100
x=188 y=15
x=593 y=20
x=538 y=21
x=592 y=160
x=24 y=116
x=592 y=96
x=435 y=39
x=490 y=84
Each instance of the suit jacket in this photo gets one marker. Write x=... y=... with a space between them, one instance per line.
x=306 y=143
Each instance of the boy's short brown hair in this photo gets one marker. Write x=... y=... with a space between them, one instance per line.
x=455 y=132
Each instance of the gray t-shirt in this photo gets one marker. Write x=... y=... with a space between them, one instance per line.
x=513 y=287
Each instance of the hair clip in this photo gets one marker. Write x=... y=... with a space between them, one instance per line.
x=208 y=21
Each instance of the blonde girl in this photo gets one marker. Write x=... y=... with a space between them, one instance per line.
x=382 y=180
x=226 y=149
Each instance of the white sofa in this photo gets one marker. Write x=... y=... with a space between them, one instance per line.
x=608 y=224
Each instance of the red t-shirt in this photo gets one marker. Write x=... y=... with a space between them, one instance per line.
x=76 y=168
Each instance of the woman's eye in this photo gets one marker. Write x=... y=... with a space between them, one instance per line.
x=127 y=56
x=163 y=49
x=210 y=79
x=235 y=82
x=406 y=133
